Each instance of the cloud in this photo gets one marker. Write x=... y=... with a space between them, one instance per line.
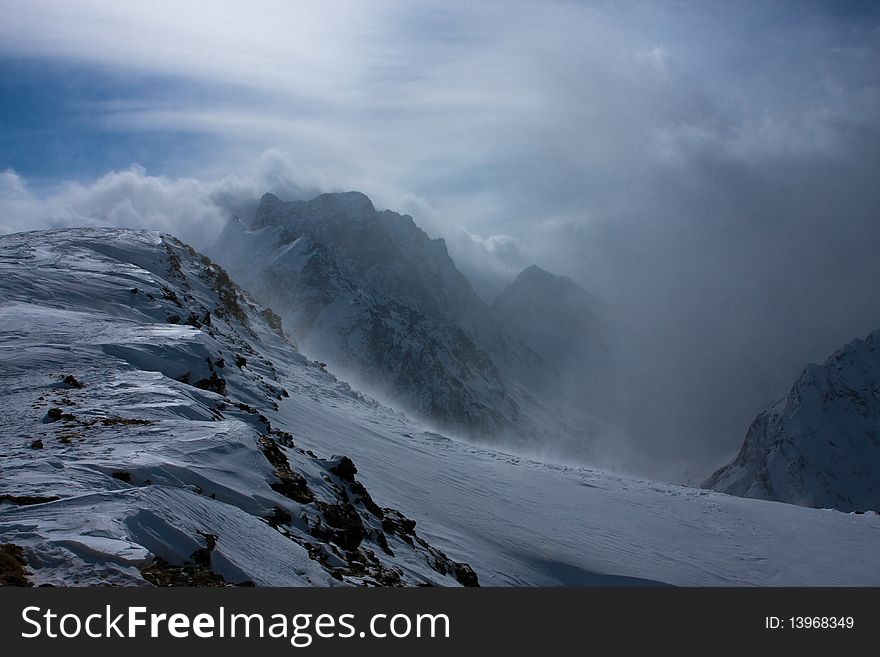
x=12 y=187
x=121 y=198
x=489 y=262
x=194 y=209
x=505 y=248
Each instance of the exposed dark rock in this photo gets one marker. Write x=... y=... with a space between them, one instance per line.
x=170 y=295
x=283 y=438
x=379 y=537
x=394 y=522
x=364 y=498
x=161 y=573
x=278 y=517
x=343 y=467
x=295 y=487
x=227 y=292
x=125 y=421
x=71 y=381
x=27 y=500
x=214 y=383
x=343 y=518
x=465 y=574
x=55 y=414
x=290 y=484
x=12 y=566
x=174 y=264
x=202 y=556
x=273 y=320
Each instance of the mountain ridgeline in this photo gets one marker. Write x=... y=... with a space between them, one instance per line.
x=820 y=445
x=147 y=431
x=384 y=304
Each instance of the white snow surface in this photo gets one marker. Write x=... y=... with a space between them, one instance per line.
x=68 y=306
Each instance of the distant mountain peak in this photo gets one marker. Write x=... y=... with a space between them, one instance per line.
x=550 y=313
x=539 y=288
x=533 y=275
x=272 y=211
x=352 y=204
x=534 y=270
x=371 y=293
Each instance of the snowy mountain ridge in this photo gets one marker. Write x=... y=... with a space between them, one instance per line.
x=135 y=445
x=125 y=460
x=820 y=445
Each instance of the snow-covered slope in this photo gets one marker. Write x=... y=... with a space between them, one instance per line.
x=135 y=377
x=820 y=445
x=67 y=307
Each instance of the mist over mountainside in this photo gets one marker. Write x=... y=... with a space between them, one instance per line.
x=157 y=427
x=820 y=445
x=372 y=295
x=548 y=312
x=559 y=320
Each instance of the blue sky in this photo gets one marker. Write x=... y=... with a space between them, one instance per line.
x=49 y=129
x=706 y=169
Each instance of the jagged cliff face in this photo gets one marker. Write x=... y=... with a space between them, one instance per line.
x=370 y=293
x=820 y=445
x=141 y=440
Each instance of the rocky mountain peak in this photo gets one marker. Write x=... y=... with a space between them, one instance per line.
x=540 y=280
x=820 y=445
x=353 y=205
